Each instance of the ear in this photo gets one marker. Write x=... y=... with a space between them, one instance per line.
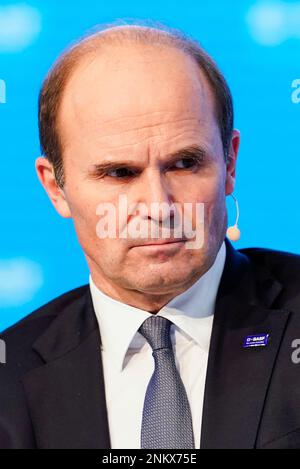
x=45 y=173
x=231 y=162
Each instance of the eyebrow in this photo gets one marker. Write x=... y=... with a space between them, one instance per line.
x=193 y=151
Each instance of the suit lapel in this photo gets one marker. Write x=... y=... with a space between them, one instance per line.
x=66 y=396
x=237 y=378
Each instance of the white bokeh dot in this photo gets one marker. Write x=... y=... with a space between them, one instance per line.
x=20 y=280
x=270 y=23
x=20 y=25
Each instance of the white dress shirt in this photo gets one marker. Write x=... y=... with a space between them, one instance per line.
x=127 y=357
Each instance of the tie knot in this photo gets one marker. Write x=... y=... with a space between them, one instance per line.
x=156 y=331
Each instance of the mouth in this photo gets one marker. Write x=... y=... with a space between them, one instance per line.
x=159 y=242
x=161 y=245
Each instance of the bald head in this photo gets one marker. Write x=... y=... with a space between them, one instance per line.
x=114 y=68
x=126 y=94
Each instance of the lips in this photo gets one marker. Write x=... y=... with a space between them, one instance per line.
x=160 y=242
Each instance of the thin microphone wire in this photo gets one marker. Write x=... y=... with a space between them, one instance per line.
x=237 y=209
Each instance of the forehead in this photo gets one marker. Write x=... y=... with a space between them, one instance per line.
x=130 y=93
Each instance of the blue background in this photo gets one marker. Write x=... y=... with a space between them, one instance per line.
x=257 y=46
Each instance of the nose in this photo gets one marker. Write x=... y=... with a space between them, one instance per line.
x=157 y=196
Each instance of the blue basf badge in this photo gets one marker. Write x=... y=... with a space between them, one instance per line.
x=259 y=340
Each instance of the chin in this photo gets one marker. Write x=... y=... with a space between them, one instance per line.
x=162 y=280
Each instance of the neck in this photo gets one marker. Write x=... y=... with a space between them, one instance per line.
x=145 y=300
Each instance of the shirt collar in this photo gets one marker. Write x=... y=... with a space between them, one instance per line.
x=191 y=312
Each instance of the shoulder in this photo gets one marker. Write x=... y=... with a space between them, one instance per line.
x=285 y=268
x=18 y=339
x=283 y=264
x=15 y=423
x=41 y=317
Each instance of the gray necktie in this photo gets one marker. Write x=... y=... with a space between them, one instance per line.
x=167 y=420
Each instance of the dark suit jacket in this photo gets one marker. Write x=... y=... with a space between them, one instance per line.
x=52 y=388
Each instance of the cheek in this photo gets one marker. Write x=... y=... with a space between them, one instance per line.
x=83 y=200
x=85 y=227
x=83 y=211
x=84 y=206
x=211 y=193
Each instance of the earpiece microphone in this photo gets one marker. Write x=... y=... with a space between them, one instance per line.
x=233 y=232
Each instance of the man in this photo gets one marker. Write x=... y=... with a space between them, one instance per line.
x=169 y=346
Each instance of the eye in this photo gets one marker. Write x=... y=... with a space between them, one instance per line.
x=186 y=163
x=120 y=173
